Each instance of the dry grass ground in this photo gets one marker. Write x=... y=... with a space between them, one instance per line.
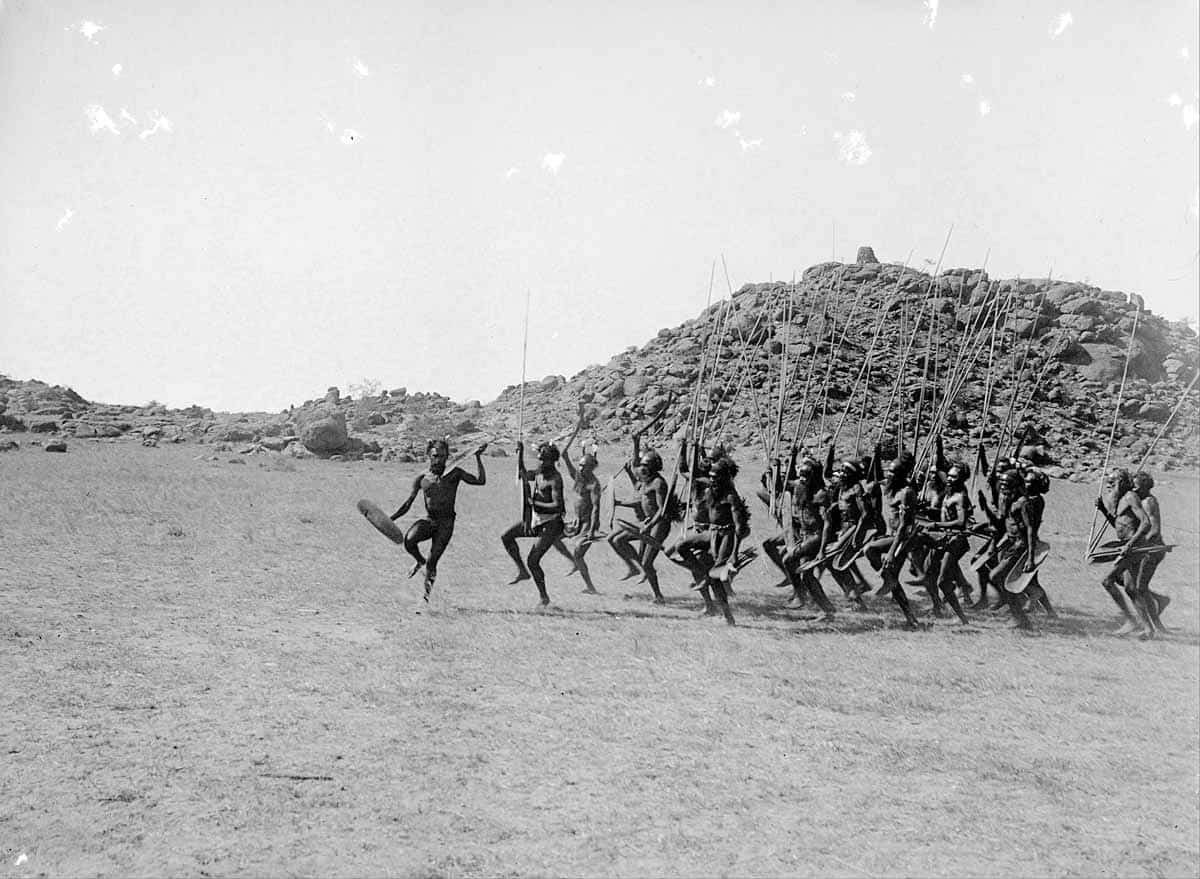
x=212 y=668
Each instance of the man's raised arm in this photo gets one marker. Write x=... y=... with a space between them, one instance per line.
x=404 y=507
x=479 y=478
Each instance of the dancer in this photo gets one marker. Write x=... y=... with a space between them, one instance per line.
x=886 y=554
x=807 y=531
x=947 y=537
x=728 y=522
x=1128 y=518
x=439 y=490
x=546 y=525
x=639 y=545
x=586 y=526
x=1143 y=484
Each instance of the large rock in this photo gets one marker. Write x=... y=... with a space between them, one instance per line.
x=323 y=432
x=1104 y=363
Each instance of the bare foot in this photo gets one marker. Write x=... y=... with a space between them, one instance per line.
x=521 y=575
x=590 y=591
x=1128 y=628
x=415 y=568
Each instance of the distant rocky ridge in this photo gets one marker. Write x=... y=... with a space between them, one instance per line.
x=1061 y=348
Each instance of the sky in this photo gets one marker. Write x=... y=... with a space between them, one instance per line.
x=238 y=205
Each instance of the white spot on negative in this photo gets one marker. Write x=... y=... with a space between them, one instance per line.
x=1174 y=100
x=849 y=97
x=511 y=173
x=158 y=123
x=1184 y=53
x=966 y=79
x=22 y=857
x=727 y=118
x=359 y=67
x=349 y=136
x=126 y=116
x=99 y=120
x=327 y=122
x=64 y=219
x=708 y=82
x=1063 y=21
x=747 y=145
x=853 y=148
x=552 y=162
x=1190 y=117
x=931 y=12
x=116 y=69
x=89 y=29
x=984 y=108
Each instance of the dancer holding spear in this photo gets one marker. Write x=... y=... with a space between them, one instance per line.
x=542 y=504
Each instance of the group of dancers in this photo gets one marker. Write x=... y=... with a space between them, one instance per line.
x=828 y=519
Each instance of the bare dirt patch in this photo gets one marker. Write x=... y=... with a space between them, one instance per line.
x=216 y=669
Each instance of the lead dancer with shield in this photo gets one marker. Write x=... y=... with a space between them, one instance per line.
x=440 y=489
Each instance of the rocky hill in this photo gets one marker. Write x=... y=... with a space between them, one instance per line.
x=873 y=352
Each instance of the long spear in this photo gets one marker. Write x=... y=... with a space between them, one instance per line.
x=526 y=501
x=1092 y=534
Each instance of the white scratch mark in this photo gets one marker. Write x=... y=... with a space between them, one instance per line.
x=1063 y=21
x=511 y=173
x=22 y=857
x=126 y=116
x=727 y=118
x=64 y=219
x=849 y=97
x=747 y=145
x=984 y=108
x=966 y=80
x=931 y=12
x=116 y=70
x=359 y=67
x=158 y=123
x=89 y=29
x=1196 y=202
x=327 y=122
x=1190 y=117
x=1184 y=53
x=552 y=162
x=853 y=148
x=99 y=120
x=349 y=136
x=1174 y=100
x=708 y=82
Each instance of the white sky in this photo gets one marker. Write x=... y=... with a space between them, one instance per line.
x=315 y=192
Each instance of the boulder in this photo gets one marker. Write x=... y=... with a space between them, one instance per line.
x=234 y=435
x=9 y=445
x=56 y=446
x=635 y=384
x=866 y=256
x=323 y=432
x=1104 y=363
x=84 y=431
x=1083 y=305
x=44 y=425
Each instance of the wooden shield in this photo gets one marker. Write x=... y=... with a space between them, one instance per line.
x=380 y=520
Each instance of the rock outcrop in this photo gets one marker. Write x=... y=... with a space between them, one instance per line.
x=1035 y=363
